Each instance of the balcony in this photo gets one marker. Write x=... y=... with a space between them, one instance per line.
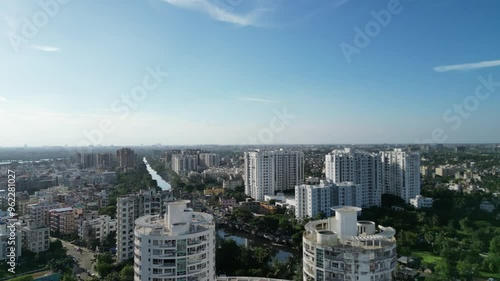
x=194 y=241
x=171 y=264
x=196 y=261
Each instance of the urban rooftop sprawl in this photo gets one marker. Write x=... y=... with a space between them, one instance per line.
x=302 y=212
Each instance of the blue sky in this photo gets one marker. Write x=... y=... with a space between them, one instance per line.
x=232 y=64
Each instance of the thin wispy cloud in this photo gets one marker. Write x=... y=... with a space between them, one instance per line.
x=45 y=48
x=467 y=66
x=256 y=100
x=338 y=3
x=221 y=13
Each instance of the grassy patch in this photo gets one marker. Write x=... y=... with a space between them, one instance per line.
x=427 y=257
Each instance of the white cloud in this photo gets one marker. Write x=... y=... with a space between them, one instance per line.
x=467 y=66
x=45 y=48
x=256 y=100
x=220 y=13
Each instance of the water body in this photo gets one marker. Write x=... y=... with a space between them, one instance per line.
x=8 y=162
x=161 y=182
x=281 y=253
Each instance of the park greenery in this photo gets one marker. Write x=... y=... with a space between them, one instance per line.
x=454 y=239
x=238 y=260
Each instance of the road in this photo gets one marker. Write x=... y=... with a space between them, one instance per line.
x=83 y=259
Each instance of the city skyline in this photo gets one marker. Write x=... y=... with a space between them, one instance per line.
x=238 y=72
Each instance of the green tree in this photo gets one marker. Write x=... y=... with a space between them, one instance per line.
x=466 y=269
x=108 y=210
x=492 y=263
x=64 y=265
x=104 y=264
x=68 y=277
x=495 y=246
x=127 y=273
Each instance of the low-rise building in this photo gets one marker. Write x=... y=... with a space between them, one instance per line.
x=421 y=202
x=63 y=221
x=278 y=197
x=35 y=237
x=213 y=191
x=97 y=228
x=252 y=206
x=227 y=202
x=232 y=183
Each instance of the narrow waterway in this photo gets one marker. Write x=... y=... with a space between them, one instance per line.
x=281 y=253
x=161 y=182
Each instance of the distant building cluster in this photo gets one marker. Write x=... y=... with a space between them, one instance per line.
x=388 y=172
x=126 y=158
x=354 y=178
x=184 y=161
x=95 y=160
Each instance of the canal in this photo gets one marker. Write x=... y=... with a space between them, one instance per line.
x=159 y=180
x=281 y=253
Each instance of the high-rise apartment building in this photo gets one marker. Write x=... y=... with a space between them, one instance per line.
x=125 y=158
x=358 y=167
x=179 y=246
x=209 y=160
x=342 y=248
x=104 y=160
x=312 y=200
x=131 y=207
x=400 y=172
x=184 y=163
x=268 y=172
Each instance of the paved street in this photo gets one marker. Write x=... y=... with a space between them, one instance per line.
x=84 y=259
